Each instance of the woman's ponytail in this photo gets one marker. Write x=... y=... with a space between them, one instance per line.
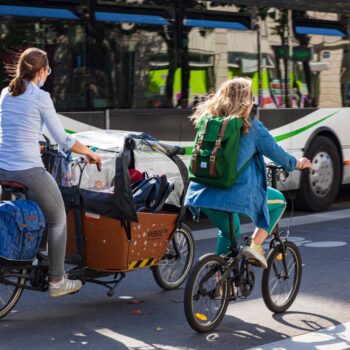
x=27 y=66
x=17 y=86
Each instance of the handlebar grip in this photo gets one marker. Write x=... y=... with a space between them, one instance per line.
x=305 y=170
x=180 y=150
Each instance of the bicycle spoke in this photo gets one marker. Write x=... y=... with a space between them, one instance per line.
x=208 y=304
x=280 y=287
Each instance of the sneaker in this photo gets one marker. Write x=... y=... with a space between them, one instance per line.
x=255 y=252
x=65 y=286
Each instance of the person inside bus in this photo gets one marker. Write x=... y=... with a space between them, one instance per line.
x=249 y=196
x=24 y=110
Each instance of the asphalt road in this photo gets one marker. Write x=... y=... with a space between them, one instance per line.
x=91 y=320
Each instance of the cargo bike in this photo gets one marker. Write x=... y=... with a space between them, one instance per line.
x=127 y=217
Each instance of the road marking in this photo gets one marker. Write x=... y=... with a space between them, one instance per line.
x=284 y=223
x=325 y=244
x=332 y=338
x=129 y=342
x=135 y=344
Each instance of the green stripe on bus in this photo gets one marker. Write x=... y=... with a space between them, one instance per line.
x=304 y=128
x=282 y=137
x=188 y=150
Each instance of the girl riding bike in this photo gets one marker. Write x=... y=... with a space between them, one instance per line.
x=24 y=110
x=250 y=195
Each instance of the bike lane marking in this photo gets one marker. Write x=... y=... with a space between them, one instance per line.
x=133 y=343
x=332 y=338
x=283 y=224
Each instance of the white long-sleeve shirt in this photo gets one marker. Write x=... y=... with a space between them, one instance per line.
x=22 y=120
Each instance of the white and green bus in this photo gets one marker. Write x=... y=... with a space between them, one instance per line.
x=142 y=65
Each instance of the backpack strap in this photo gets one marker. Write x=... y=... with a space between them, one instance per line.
x=217 y=147
x=199 y=145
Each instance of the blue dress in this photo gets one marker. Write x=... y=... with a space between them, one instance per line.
x=248 y=196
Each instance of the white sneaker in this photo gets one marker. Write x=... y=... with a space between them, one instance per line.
x=255 y=252
x=65 y=286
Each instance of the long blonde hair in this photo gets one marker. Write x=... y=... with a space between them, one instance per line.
x=233 y=97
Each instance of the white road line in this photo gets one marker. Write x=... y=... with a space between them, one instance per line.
x=135 y=344
x=129 y=342
x=333 y=338
x=284 y=223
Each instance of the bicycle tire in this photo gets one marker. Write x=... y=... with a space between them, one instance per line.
x=190 y=313
x=275 y=265
x=161 y=275
x=10 y=302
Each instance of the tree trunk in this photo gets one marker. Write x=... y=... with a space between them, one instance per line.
x=185 y=72
x=169 y=88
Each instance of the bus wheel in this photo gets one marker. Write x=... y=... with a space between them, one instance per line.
x=319 y=187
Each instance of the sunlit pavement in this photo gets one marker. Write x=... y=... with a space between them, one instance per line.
x=319 y=318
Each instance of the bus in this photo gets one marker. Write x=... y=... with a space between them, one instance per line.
x=142 y=65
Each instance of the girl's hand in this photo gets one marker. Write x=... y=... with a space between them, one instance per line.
x=303 y=163
x=94 y=158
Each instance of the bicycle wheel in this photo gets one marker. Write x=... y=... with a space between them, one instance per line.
x=205 y=302
x=278 y=290
x=10 y=294
x=173 y=269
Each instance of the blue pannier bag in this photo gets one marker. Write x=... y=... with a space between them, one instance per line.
x=21 y=228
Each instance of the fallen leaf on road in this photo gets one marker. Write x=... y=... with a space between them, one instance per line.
x=159 y=329
x=177 y=301
x=137 y=312
x=135 y=301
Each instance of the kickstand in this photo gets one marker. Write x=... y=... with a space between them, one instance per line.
x=118 y=276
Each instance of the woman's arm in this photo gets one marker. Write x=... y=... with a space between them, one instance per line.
x=65 y=141
x=267 y=145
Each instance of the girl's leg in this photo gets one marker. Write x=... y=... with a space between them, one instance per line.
x=276 y=205
x=220 y=219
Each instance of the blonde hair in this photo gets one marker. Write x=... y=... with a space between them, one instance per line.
x=234 y=97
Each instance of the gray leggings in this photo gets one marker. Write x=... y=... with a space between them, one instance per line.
x=43 y=189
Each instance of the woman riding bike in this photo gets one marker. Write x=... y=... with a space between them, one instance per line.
x=24 y=110
x=249 y=196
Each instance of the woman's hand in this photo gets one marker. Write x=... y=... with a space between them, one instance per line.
x=94 y=158
x=303 y=163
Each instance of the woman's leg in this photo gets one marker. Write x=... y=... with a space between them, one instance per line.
x=220 y=219
x=276 y=205
x=45 y=192
x=43 y=189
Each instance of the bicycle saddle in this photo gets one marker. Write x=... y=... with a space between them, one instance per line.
x=13 y=185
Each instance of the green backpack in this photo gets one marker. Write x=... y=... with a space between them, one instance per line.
x=214 y=156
